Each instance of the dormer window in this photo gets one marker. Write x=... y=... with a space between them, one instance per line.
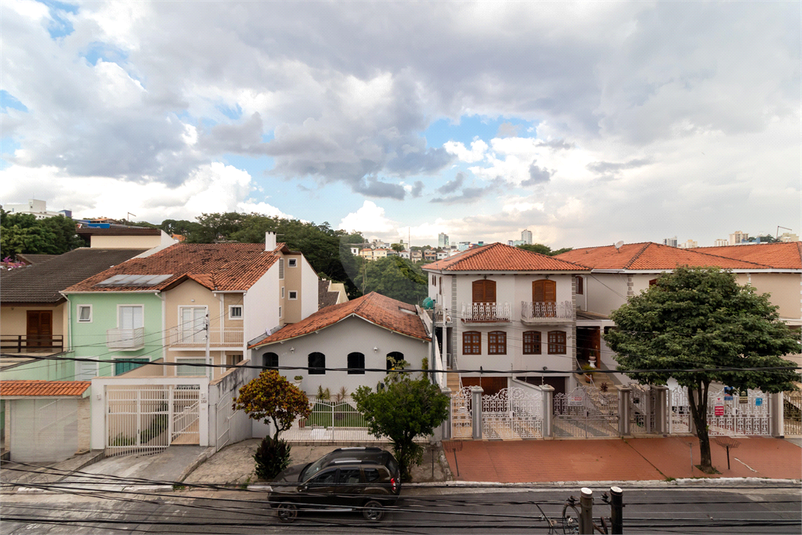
x=292 y=262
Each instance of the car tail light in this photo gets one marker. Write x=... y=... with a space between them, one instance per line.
x=394 y=484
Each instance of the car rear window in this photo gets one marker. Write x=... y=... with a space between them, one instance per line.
x=392 y=465
x=371 y=475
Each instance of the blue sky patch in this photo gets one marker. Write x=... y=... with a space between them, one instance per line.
x=60 y=25
x=471 y=127
x=7 y=100
x=232 y=113
x=103 y=51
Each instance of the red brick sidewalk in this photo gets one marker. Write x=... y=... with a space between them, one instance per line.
x=618 y=460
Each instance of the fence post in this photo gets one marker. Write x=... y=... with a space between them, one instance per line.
x=476 y=406
x=617 y=509
x=660 y=411
x=586 y=511
x=776 y=415
x=445 y=427
x=548 y=410
x=624 y=395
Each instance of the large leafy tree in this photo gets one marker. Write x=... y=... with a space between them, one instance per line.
x=23 y=233
x=271 y=398
x=402 y=408
x=394 y=277
x=699 y=326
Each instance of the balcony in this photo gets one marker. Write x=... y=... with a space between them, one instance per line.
x=22 y=343
x=178 y=338
x=125 y=339
x=547 y=312
x=484 y=313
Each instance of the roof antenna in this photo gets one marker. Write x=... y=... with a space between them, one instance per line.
x=618 y=245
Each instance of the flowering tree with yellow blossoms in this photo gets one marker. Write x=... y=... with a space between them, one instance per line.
x=271 y=398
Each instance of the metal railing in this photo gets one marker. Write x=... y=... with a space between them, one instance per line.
x=486 y=312
x=125 y=338
x=546 y=310
x=181 y=337
x=21 y=343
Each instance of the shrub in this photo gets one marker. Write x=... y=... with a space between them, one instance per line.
x=272 y=456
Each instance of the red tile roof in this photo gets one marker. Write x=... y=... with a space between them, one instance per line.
x=43 y=388
x=500 y=257
x=787 y=255
x=217 y=266
x=651 y=256
x=378 y=309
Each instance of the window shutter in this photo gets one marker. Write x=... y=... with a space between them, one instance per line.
x=484 y=291
x=544 y=291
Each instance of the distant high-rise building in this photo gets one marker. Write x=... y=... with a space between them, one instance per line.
x=738 y=237
x=721 y=242
x=671 y=242
x=690 y=244
x=788 y=236
x=442 y=240
x=526 y=237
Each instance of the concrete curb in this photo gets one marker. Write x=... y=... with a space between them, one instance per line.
x=199 y=460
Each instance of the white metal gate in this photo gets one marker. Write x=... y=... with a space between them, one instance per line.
x=43 y=429
x=585 y=412
x=225 y=412
x=513 y=413
x=680 y=411
x=643 y=405
x=461 y=414
x=729 y=413
x=143 y=419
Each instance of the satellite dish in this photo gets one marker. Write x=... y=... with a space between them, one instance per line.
x=618 y=244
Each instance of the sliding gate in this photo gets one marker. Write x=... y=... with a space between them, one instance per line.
x=145 y=419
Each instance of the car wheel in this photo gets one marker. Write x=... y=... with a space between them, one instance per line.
x=286 y=512
x=373 y=511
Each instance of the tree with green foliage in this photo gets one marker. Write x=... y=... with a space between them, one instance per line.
x=699 y=326
x=403 y=408
x=398 y=247
x=271 y=398
x=394 y=277
x=543 y=249
x=23 y=233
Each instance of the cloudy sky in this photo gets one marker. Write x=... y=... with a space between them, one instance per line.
x=585 y=123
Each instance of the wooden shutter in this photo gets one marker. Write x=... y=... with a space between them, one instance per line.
x=544 y=291
x=39 y=328
x=484 y=291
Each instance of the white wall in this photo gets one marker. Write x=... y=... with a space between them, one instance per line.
x=261 y=304
x=336 y=342
x=605 y=292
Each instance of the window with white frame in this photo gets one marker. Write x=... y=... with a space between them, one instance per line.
x=281 y=269
x=293 y=295
x=235 y=312
x=292 y=262
x=280 y=312
x=282 y=292
x=192 y=324
x=130 y=316
x=85 y=371
x=84 y=313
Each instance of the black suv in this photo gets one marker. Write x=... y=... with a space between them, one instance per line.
x=347 y=479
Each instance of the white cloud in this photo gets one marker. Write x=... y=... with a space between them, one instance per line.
x=370 y=220
x=475 y=154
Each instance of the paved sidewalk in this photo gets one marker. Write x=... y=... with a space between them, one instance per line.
x=639 y=459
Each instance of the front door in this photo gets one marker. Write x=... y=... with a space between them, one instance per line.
x=40 y=328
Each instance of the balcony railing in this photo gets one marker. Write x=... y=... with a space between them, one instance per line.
x=29 y=343
x=486 y=312
x=546 y=311
x=188 y=338
x=125 y=339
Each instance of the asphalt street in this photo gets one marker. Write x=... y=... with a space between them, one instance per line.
x=761 y=508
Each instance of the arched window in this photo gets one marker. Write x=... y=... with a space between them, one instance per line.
x=317 y=364
x=544 y=291
x=394 y=358
x=532 y=343
x=270 y=361
x=471 y=343
x=556 y=342
x=356 y=364
x=484 y=291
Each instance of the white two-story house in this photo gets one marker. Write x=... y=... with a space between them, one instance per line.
x=505 y=313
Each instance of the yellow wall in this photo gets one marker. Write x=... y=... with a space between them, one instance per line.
x=784 y=288
x=14 y=319
x=125 y=242
x=292 y=282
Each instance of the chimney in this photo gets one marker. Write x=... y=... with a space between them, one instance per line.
x=270 y=241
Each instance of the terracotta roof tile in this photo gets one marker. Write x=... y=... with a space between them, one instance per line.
x=650 y=256
x=43 y=388
x=383 y=311
x=217 y=266
x=786 y=255
x=500 y=257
